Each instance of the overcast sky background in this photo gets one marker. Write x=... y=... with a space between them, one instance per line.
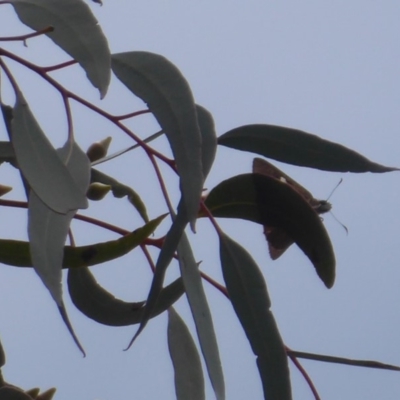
x=329 y=68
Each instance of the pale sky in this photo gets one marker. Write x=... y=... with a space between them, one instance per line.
x=330 y=69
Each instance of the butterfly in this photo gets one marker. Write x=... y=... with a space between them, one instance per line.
x=278 y=239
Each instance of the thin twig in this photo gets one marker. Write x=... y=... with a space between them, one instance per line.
x=345 y=361
x=22 y=38
x=301 y=369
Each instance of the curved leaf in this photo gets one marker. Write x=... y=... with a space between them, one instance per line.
x=76 y=31
x=189 y=379
x=201 y=316
x=208 y=138
x=166 y=92
x=48 y=230
x=296 y=147
x=268 y=201
x=16 y=252
x=248 y=293
x=41 y=165
x=120 y=190
x=101 y=306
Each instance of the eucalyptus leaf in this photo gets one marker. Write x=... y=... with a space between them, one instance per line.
x=296 y=147
x=209 y=138
x=47 y=230
x=98 y=304
x=76 y=31
x=202 y=316
x=268 y=201
x=250 y=300
x=188 y=374
x=167 y=252
x=162 y=87
x=41 y=165
x=120 y=190
x=16 y=252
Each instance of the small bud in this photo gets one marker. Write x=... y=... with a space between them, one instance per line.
x=97 y=191
x=4 y=190
x=98 y=150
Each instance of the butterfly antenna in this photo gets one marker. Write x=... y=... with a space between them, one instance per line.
x=343 y=226
x=333 y=190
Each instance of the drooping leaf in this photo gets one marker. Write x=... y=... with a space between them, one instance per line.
x=16 y=252
x=296 y=147
x=101 y=306
x=41 y=165
x=267 y=201
x=208 y=138
x=166 y=92
x=120 y=190
x=76 y=31
x=47 y=230
x=167 y=252
x=248 y=293
x=201 y=316
x=189 y=379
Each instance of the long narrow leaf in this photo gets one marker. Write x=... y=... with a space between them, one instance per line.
x=189 y=380
x=164 y=259
x=76 y=31
x=47 y=230
x=249 y=297
x=162 y=87
x=98 y=304
x=201 y=315
x=120 y=190
x=41 y=165
x=296 y=147
x=208 y=138
x=16 y=252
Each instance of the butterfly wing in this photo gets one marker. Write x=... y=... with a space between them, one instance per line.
x=278 y=240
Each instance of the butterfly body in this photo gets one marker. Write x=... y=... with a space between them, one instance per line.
x=278 y=239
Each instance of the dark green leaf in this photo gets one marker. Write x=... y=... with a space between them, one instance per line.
x=120 y=190
x=101 y=306
x=209 y=138
x=76 y=31
x=202 y=316
x=248 y=293
x=167 y=252
x=267 y=201
x=299 y=148
x=162 y=87
x=189 y=379
x=16 y=252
